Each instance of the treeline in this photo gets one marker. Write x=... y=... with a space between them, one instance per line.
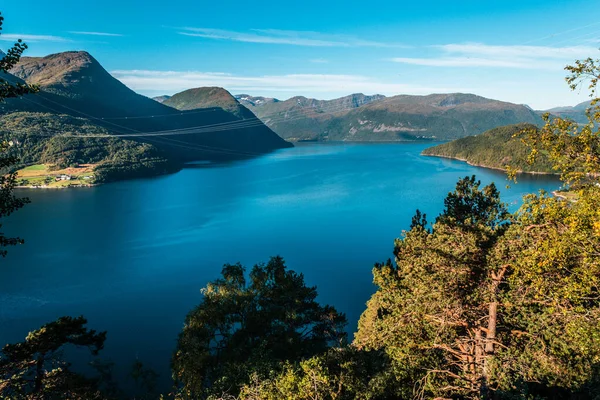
x=60 y=141
x=497 y=148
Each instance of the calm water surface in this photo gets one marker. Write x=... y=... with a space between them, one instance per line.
x=132 y=256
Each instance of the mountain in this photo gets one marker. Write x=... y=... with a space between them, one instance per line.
x=496 y=148
x=161 y=99
x=74 y=83
x=38 y=139
x=254 y=101
x=575 y=113
x=378 y=118
x=301 y=118
x=207 y=97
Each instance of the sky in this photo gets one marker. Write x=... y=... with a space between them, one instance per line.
x=507 y=50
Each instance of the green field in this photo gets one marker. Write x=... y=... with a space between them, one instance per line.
x=42 y=175
x=38 y=167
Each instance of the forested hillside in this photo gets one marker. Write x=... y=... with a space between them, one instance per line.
x=497 y=148
x=61 y=141
x=158 y=138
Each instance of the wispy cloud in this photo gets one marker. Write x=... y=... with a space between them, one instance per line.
x=462 y=62
x=518 y=56
x=13 y=37
x=284 y=37
x=306 y=84
x=96 y=33
x=517 y=51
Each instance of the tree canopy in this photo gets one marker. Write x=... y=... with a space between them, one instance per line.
x=35 y=369
x=250 y=326
x=486 y=305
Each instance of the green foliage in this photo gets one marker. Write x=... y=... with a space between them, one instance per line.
x=483 y=308
x=340 y=374
x=60 y=141
x=249 y=327
x=550 y=303
x=34 y=369
x=10 y=59
x=573 y=149
x=9 y=203
x=428 y=312
x=470 y=206
x=496 y=148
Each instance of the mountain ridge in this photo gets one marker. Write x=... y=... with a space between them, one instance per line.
x=75 y=83
x=82 y=112
x=378 y=118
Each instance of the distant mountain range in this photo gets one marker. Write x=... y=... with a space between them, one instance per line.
x=76 y=85
x=150 y=136
x=378 y=118
x=576 y=113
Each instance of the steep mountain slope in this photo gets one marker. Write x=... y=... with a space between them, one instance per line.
x=576 y=113
x=38 y=138
x=496 y=148
x=74 y=83
x=206 y=97
x=398 y=118
x=301 y=118
x=436 y=116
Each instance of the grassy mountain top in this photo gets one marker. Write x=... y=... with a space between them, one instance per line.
x=439 y=103
x=75 y=84
x=496 y=148
x=54 y=69
x=206 y=97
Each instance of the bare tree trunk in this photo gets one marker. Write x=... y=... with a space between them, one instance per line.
x=490 y=342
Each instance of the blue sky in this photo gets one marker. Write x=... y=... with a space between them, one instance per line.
x=508 y=50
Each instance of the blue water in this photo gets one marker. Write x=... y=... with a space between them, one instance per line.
x=132 y=256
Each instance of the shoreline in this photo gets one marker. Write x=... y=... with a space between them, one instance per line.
x=57 y=187
x=488 y=167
